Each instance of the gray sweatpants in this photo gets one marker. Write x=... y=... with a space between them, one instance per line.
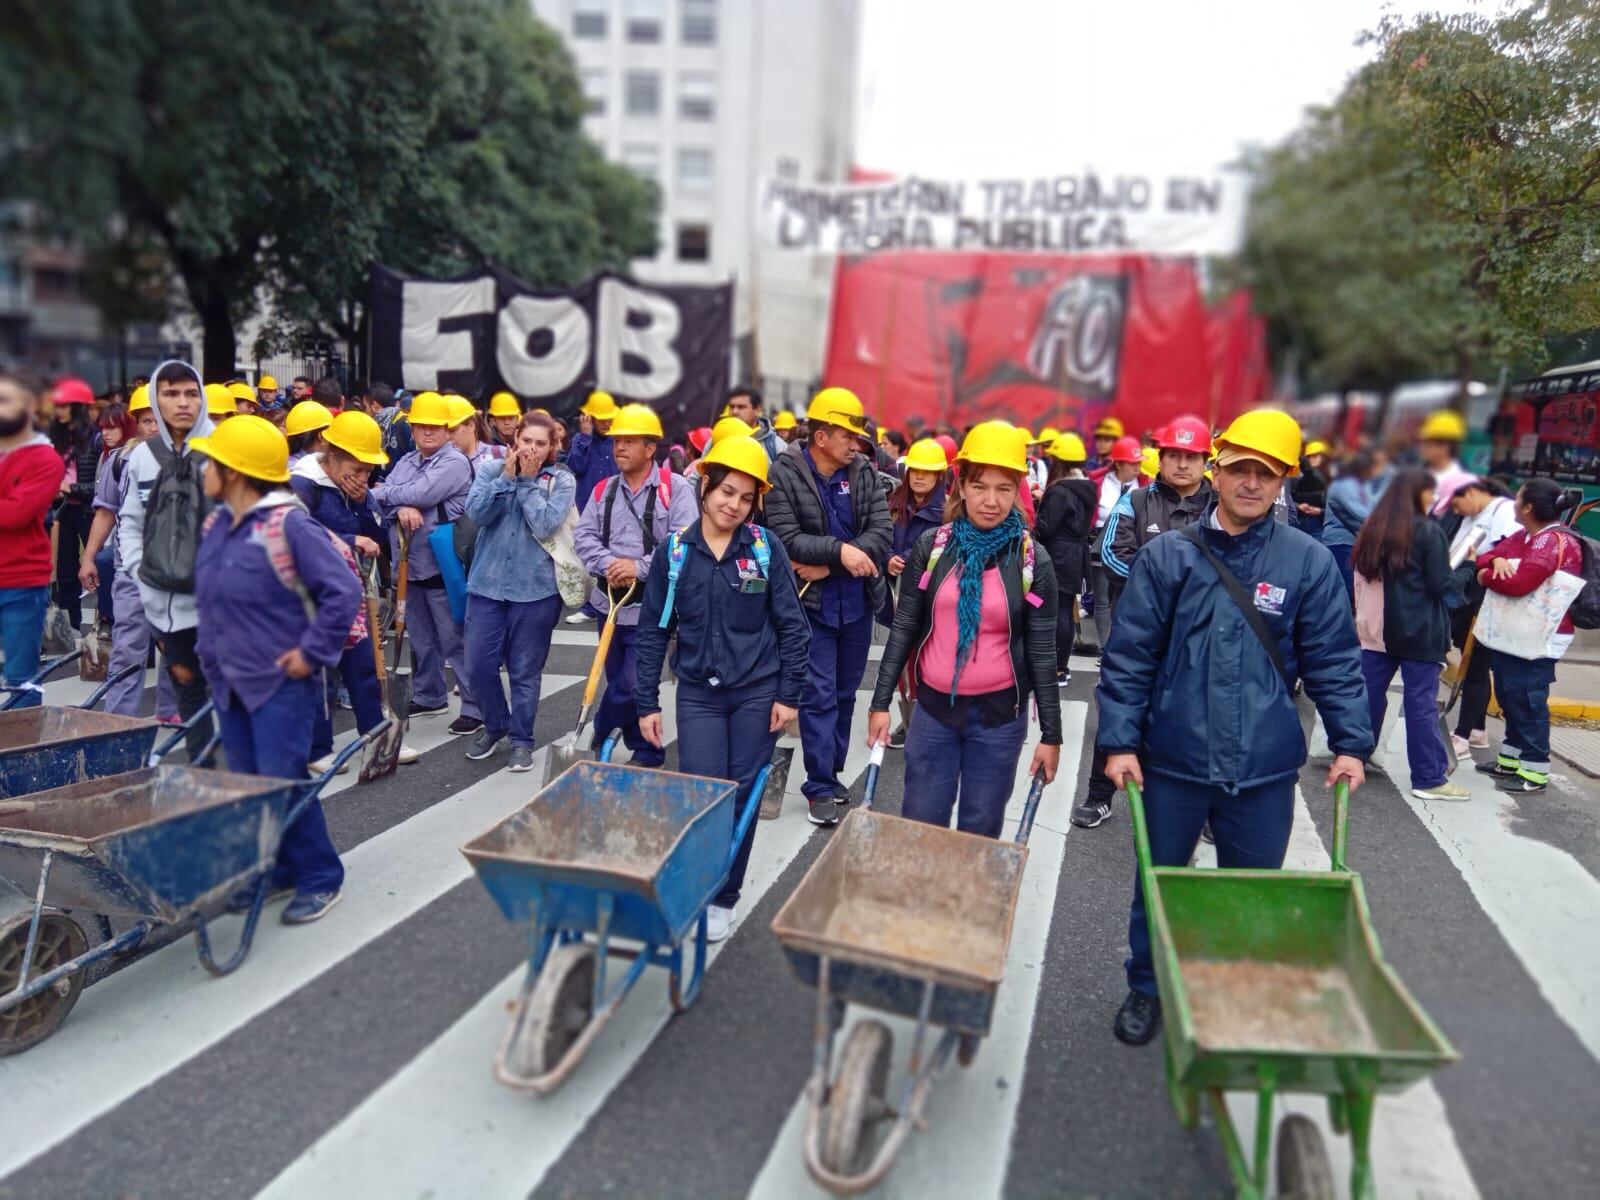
x=436 y=641
x=130 y=643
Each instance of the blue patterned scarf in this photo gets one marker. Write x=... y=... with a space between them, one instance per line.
x=974 y=548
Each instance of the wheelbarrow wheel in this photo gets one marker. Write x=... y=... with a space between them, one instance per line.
x=60 y=940
x=558 y=1010
x=856 y=1100
x=1304 y=1172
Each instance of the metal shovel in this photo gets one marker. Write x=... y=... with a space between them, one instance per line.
x=381 y=755
x=567 y=751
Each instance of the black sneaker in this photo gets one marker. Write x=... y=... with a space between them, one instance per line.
x=1137 y=1019
x=841 y=795
x=429 y=710
x=1087 y=816
x=1520 y=785
x=897 y=740
x=465 y=725
x=1063 y=678
x=1493 y=768
x=824 y=811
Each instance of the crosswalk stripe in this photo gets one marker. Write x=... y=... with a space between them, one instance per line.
x=490 y=1140
x=963 y=1151
x=139 y=1024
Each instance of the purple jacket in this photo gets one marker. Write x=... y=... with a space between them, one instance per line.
x=426 y=484
x=248 y=618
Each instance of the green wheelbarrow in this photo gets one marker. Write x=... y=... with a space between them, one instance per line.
x=1272 y=982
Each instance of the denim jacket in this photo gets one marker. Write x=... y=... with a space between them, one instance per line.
x=513 y=515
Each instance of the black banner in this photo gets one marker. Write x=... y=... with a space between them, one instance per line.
x=668 y=346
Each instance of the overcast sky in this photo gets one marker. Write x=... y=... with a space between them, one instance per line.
x=953 y=87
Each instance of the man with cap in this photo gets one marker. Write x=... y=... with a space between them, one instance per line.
x=505 y=414
x=589 y=457
x=783 y=426
x=827 y=509
x=1215 y=626
x=1106 y=434
x=267 y=392
x=744 y=402
x=1439 y=443
x=629 y=515
x=1115 y=479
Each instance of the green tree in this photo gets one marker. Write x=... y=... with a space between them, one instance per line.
x=272 y=151
x=1443 y=215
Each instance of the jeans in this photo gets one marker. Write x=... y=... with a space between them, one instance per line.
x=1522 y=685
x=616 y=709
x=360 y=676
x=1341 y=556
x=980 y=759
x=837 y=661
x=178 y=648
x=22 y=612
x=517 y=634
x=436 y=641
x=722 y=733
x=275 y=740
x=1430 y=759
x=73 y=521
x=1251 y=830
x=105 y=565
x=1102 y=602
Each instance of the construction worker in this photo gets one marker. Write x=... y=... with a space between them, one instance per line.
x=628 y=517
x=245 y=400
x=1106 y=434
x=745 y=403
x=1066 y=515
x=505 y=414
x=470 y=432
x=1173 y=500
x=1117 y=477
x=422 y=491
x=1439 y=443
x=303 y=427
x=220 y=404
x=784 y=426
x=589 y=457
x=976 y=623
x=725 y=587
x=1215 y=626
x=267 y=392
x=830 y=514
x=1310 y=491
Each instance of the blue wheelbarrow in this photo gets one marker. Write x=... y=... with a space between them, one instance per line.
x=603 y=853
x=120 y=866
x=13 y=694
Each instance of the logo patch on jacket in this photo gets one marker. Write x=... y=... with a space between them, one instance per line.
x=1270 y=599
x=1152 y=528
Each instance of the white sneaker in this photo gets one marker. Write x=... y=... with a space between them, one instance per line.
x=719 y=923
x=1462 y=747
x=1478 y=739
x=1445 y=791
x=407 y=755
x=579 y=618
x=318 y=766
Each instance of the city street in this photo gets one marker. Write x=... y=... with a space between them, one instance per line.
x=352 y=1057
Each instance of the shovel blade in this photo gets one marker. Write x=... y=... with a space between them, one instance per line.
x=381 y=756
x=777 y=783
x=400 y=695
x=565 y=753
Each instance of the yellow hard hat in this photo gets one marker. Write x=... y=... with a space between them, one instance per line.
x=140 y=400
x=1266 y=434
x=267 y=383
x=784 y=420
x=1068 y=447
x=1445 y=425
x=357 y=435
x=600 y=406
x=250 y=445
x=306 y=416
x=242 y=391
x=729 y=427
x=429 y=408
x=1315 y=448
x=926 y=455
x=219 y=400
x=504 y=404
x=1048 y=434
x=742 y=453
x=460 y=410
x=1150 y=461
x=996 y=444
x=1109 y=427
x=636 y=420
x=838 y=406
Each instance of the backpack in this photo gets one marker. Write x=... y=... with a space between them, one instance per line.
x=1585 y=610
x=172 y=518
x=677 y=552
x=608 y=488
x=941 y=538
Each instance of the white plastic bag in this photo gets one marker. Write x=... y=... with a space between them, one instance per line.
x=1526 y=625
x=572 y=581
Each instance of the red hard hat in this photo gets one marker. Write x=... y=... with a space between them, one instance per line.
x=948 y=445
x=72 y=390
x=699 y=438
x=1185 y=433
x=1127 y=450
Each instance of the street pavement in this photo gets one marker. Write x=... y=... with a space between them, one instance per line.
x=352 y=1058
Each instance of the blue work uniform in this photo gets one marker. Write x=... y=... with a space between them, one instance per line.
x=590 y=460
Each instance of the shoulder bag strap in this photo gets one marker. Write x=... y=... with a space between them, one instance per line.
x=1236 y=593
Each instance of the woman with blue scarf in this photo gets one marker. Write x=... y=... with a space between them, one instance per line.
x=976 y=619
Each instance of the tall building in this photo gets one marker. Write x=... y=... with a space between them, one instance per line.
x=708 y=97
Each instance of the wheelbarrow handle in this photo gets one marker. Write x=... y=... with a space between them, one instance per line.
x=752 y=806
x=608 y=747
x=35 y=682
x=1341 y=825
x=874 y=766
x=111 y=681
x=1030 y=809
x=181 y=732
x=313 y=789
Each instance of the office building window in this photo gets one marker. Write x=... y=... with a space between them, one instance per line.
x=694 y=243
x=697 y=97
x=594 y=91
x=643 y=159
x=644 y=93
x=589 y=18
x=699 y=22
x=644 y=21
x=694 y=169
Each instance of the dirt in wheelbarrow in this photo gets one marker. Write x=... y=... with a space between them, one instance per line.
x=1247 y=1005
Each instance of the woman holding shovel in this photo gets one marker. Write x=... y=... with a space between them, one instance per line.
x=725 y=586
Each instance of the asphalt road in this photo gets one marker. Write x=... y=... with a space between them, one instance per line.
x=352 y=1058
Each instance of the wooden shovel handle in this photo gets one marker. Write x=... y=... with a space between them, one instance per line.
x=606 y=630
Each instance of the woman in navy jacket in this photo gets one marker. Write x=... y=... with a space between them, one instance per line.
x=742 y=640
x=261 y=641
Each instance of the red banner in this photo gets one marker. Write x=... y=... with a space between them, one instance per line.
x=1037 y=339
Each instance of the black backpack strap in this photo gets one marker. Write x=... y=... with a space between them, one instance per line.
x=605 y=520
x=648 y=525
x=1252 y=618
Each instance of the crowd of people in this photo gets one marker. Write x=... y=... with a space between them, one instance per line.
x=238 y=533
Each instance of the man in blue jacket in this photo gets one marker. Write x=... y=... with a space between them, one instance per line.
x=1184 y=658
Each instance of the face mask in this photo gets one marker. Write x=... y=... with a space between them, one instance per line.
x=11 y=426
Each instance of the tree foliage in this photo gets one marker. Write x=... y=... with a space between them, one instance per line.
x=271 y=151
x=1443 y=215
